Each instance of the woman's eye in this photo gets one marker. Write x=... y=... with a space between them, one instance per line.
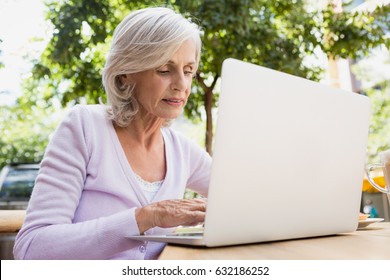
x=163 y=72
x=188 y=72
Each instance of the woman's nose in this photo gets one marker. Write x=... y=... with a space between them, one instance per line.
x=179 y=83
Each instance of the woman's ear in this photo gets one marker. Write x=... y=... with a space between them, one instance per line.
x=125 y=79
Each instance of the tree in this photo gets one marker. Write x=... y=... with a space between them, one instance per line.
x=26 y=127
x=25 y=134
x=276 y=34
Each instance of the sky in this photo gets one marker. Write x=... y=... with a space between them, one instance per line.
x=20 y=21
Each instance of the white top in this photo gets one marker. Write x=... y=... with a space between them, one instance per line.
x=150 y=189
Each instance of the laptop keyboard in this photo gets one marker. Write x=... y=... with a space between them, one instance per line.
x=185 y=234
x=188 y=231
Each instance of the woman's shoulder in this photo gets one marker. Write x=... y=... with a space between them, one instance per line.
x=94 y=109
x=89 y=112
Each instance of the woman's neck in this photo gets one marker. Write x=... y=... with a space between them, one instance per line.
x=144 y=133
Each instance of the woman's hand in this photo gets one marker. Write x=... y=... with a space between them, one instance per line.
x=171 y=213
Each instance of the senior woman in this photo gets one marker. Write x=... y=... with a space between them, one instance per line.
x=119 y=170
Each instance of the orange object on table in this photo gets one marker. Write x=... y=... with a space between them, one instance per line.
x=367 y=187
x=11 y=220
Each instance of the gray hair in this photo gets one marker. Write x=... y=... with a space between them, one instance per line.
x=144 y=40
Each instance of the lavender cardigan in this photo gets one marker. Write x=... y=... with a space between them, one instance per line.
x=86 y=193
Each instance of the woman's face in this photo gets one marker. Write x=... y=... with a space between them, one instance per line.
x=163 y=92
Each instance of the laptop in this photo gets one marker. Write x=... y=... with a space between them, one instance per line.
x=288 y=160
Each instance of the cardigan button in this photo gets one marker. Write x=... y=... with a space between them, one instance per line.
x=142 y=248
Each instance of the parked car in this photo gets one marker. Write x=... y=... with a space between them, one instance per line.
x=16 y=184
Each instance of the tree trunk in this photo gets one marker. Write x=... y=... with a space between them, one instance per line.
x=208 y=104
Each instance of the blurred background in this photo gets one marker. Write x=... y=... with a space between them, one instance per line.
x=52 y=54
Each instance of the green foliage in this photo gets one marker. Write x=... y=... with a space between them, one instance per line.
x=379 y=135
x=27 y=125
x=355 y=34
x=75 y=55
x=25 y=134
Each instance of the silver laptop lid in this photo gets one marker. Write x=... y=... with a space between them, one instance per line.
x=288 y=160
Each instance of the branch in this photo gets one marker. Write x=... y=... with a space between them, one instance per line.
x=203 y=84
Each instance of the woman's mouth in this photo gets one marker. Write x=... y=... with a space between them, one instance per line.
x=173 y=101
